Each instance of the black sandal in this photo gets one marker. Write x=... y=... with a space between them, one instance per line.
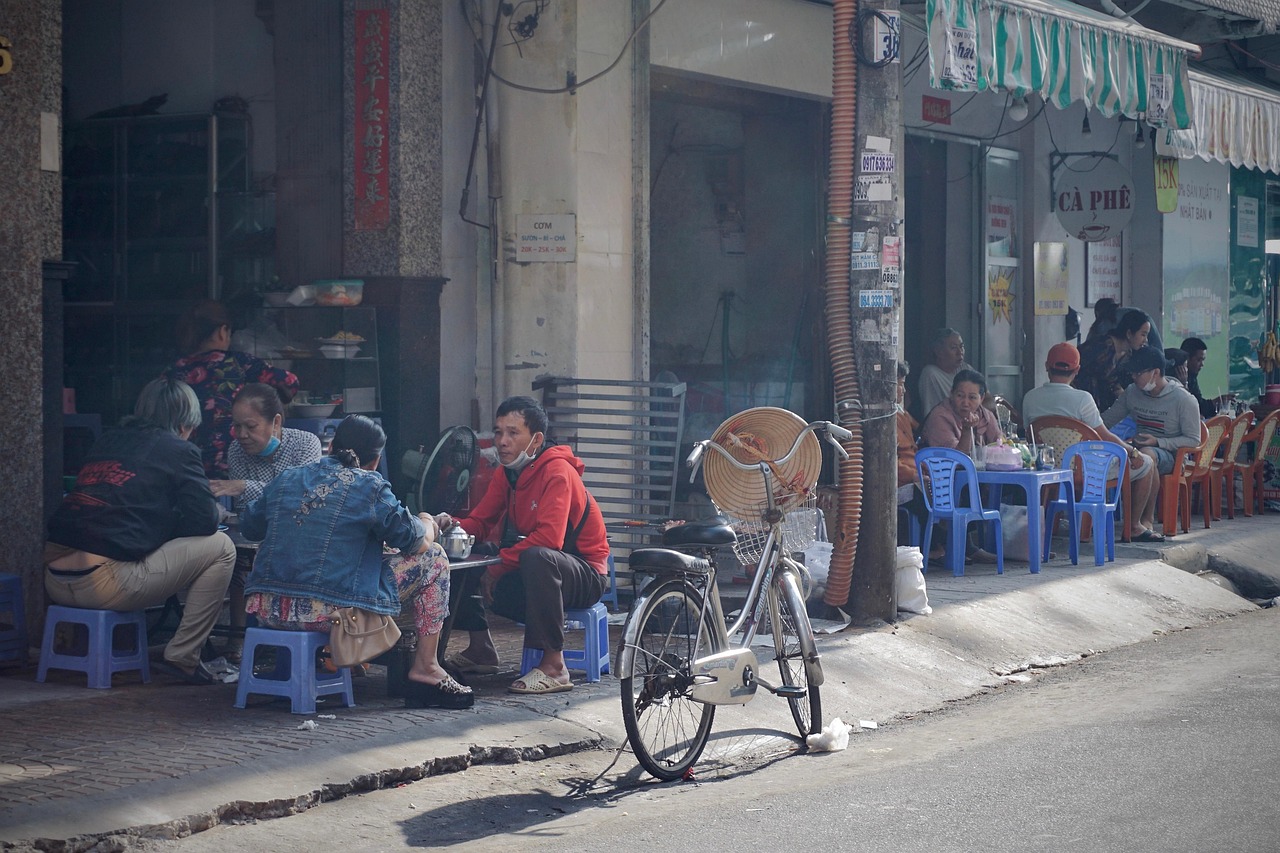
x=201 y=675
x=448 y=694
x=1149 y=536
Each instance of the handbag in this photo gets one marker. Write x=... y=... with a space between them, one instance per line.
x=357 y=635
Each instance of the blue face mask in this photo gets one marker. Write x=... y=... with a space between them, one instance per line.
x=272 y=446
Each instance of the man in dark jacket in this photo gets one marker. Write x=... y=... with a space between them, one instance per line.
x=140 y=524
x=1196 y=350
x=555 y=554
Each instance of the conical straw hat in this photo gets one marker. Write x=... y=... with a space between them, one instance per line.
x=761 y=434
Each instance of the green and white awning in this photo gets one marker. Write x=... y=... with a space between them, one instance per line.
x=1063 y=53
x=1236 y=121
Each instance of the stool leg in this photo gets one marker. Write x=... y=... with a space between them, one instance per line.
x=101 y=650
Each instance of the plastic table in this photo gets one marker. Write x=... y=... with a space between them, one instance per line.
x=1031 y=481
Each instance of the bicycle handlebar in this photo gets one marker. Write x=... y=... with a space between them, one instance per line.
x=833 y=433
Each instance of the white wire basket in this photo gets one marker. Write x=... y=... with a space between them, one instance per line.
x=799 y=528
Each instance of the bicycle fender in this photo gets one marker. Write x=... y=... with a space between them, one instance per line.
x=624 y=663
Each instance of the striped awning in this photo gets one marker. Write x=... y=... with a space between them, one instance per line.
x=1236 y=122
x=1063 y=53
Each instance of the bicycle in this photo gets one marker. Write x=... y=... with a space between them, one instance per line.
x=676 y=660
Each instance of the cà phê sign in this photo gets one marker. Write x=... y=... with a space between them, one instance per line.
x=1094 y=198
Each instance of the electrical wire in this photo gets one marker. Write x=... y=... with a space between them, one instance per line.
x=578 y=84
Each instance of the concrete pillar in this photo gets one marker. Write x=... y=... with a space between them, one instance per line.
x=568 y=153
x=30 y=232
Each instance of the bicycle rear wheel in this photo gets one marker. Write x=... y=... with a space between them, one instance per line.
x=668 y=730
x=793 y=644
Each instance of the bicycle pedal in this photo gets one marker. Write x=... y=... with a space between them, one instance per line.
x=791 y=691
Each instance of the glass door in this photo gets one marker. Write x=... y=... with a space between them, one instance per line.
x=1000 y=285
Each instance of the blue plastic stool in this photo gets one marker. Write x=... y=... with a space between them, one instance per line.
x=13 y=620
x=101 y=659
x=294 y=677
x=611 y=594
x=594 y=655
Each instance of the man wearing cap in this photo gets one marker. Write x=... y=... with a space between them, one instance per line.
x=1057 y=397
x=1166 y=413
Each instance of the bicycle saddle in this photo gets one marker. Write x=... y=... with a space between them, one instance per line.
x=660 y=559
x=710 y=531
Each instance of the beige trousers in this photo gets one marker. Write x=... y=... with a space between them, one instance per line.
x=200 y=564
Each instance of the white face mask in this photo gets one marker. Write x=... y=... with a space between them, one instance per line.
x=1150 y=386
x=519 y=463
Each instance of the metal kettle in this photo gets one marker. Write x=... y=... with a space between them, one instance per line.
x=457 y=543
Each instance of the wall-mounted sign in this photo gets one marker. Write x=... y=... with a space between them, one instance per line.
x=875 y=298
x=864 y=261
x=877 y=162
x=1001 y=292
x=546 y=237
x=1051 y=279
x=1094 y=198
x=1166 y=184
x=1247 y=221
x=372 y=149
x=935 y=110
x=6 y=58
x=888 y=26
x=1104 y=271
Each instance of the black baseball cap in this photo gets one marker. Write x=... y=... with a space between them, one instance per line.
x=1147 y=358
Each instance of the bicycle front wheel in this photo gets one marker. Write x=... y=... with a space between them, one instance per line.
x=668 y=730
x=793 y=643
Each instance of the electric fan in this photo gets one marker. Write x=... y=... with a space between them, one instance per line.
x=439 y=480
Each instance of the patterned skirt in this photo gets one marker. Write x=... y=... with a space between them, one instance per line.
x=422 y=580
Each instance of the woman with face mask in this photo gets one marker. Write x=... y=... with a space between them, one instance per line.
x=262 y=447
x=261 y=450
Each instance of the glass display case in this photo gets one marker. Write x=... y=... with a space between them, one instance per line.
x=332 y=350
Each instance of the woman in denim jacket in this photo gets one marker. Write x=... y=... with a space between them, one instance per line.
x=334 y=535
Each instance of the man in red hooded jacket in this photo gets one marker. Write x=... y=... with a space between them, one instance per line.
x=556 y=555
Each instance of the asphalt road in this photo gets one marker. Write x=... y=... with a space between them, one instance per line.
x=1169 y=745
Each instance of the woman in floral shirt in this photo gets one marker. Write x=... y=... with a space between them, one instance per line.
x=217 y=374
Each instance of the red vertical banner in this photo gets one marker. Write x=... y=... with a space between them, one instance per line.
x=372 y=119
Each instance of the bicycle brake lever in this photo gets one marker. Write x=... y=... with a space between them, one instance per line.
x=838 y=432
x=695 y=459
x=831 y=439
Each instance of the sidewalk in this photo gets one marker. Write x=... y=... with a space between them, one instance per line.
x=163 y=760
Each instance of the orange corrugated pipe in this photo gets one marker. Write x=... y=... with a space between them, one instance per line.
x=839 y=317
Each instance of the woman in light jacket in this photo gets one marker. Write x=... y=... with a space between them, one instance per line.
x=334 y=535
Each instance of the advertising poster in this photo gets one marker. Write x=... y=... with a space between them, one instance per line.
x=1104 y=271
x=1000 y=293
x=1051 y=279
x=1197 y=243
x=1001 y=239
x=1248 y=284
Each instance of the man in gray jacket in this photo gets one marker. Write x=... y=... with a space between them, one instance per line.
x=1165 y=412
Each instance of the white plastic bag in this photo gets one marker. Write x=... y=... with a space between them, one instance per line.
x=817 y=559
x=1013 y=525
x=908 y=579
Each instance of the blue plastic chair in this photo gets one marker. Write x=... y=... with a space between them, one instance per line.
x=948 y=472
x=1099 y=496
x=908 y=522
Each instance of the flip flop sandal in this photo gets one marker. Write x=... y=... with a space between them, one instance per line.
x=1149 y=536
x=461 y=663
x=535 y=681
